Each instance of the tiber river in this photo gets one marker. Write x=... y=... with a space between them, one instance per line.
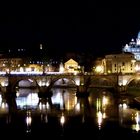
x=102 y=115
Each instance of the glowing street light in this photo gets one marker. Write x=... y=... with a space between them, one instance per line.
x=99 y=69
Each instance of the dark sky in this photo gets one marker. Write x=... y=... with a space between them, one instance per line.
x=96 y=30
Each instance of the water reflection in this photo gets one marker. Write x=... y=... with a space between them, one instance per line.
x=45 y=104
x=27 y=98
x=62 y=119
x=102 y=103
x=3 y=105
x=129 y=117
x=98 y=109
x=99 y=118
x=28 y=121
x=64 y=99
x=137 y=119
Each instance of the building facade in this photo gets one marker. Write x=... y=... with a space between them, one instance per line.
x=133 y=47
x=71 y=66
x=10 y=64
x=116 y=63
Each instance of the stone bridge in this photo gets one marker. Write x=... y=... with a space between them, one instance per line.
x=39 y=81
x=119 y=82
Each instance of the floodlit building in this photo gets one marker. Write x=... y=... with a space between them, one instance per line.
x=10 y=64
x=71 y=66
x=35 y=67
x=116 y=63
x=133 y=47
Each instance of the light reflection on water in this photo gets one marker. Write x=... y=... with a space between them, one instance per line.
x=99 y=107
x=129 y=117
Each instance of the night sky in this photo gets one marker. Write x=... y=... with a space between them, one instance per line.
x=94 y=30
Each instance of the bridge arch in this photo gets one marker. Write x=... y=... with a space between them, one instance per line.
x=64 y=81
x=136 y=77
x=49 y=80
x=102 y=81
x=13 y=84
x=26 y=83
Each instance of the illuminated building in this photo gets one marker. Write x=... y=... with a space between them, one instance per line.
x=133 y=47
x=71 y=65
x=116 y=63
x=23 y=60
x=9 y=63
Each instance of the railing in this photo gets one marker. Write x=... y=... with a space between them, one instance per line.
x=61 y=73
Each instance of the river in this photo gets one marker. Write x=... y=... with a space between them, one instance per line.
x=101 y=115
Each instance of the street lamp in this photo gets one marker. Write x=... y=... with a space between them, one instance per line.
x=99 y=69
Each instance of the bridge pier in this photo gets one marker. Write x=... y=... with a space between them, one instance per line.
x=7 y=90
x=82 y=91
x=121 y=89
x=44 y=91
x=10 y=95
